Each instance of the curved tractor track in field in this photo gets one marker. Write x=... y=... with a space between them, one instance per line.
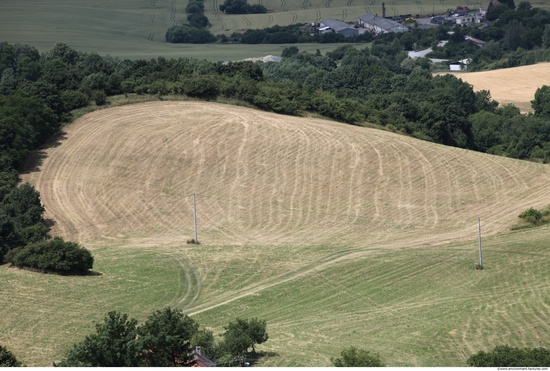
x=173 y=12
x=127 y=175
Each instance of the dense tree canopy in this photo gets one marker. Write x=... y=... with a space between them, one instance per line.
x=165 y=338
x=113 y=345
x=242 y=334
x=53 y=255
x=7 y=359
x=241 y=7
x=507 y=356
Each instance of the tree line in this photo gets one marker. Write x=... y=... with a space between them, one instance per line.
x=380 y=85
x=31 y=112
x=167 y=338
x=170 y=338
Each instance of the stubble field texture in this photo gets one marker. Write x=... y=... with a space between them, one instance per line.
x=515 y=86
x=336 y=235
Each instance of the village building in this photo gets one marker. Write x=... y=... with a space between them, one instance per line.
x=201 y=360
x=475 y=41
x=461 y=65
x=379 y=25
x=339 y=27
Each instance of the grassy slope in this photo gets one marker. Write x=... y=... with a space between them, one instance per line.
x=413 y=299
x=417 y=307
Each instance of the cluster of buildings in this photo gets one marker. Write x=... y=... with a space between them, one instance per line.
x=366 y=22
x=462 y=16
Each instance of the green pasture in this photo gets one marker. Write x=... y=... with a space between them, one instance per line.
x=423 y=306
x=135 y=29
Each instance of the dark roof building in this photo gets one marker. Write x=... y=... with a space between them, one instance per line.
x=379 y=25
x=201 y=360
x=337 y=26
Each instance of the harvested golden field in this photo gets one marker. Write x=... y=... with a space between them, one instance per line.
x=127 y=175
x=510 y=85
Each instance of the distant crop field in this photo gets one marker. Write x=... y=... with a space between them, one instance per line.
x=135 y=28
x=511 y=85
x=337 y=235
x=284 y=12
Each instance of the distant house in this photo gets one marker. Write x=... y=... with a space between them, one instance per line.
x=334 y=25
x=475 y=41
x=459 y=65
x=380 y=25
x=201 y=360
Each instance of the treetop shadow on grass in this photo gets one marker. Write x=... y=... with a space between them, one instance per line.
x=254 y=358
x=90 y=273
x=36 y=158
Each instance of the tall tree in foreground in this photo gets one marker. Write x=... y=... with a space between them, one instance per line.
x=242 y=334
x=165 y=339
x=113 y=345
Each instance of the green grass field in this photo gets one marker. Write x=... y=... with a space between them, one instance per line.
x=416 y=307
x=135 y=28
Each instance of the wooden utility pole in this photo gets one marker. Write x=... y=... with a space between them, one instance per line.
x=479 y=239
x=196 y=239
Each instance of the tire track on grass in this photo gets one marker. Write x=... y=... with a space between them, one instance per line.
x=283 y=6
x=173 y=12
x=294 y=18
x=216 y=11
x=246 y=21
x=269 y=20
x=327 y=4
x=318 y=15
x=367 y=7
x=344 y=14
x=393 y=4
x=193 y=279
x=419 y=4
x=253 y=289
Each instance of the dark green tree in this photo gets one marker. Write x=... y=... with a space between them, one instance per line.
x=53 y=255
x=354 y=357
x=165 y=339
x=8 y=238
x=7 y=359
x=541 y=103
x=24 y=208
x=507 y=356
x=64 y=53
x=242 y=334
x=546 y=36
x=113 y=345
x=187 y=34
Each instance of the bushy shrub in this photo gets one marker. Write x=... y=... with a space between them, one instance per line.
x=54 y=255
x=354 y=357
x=187 y=34
x=532 y=216
x=7 y=359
